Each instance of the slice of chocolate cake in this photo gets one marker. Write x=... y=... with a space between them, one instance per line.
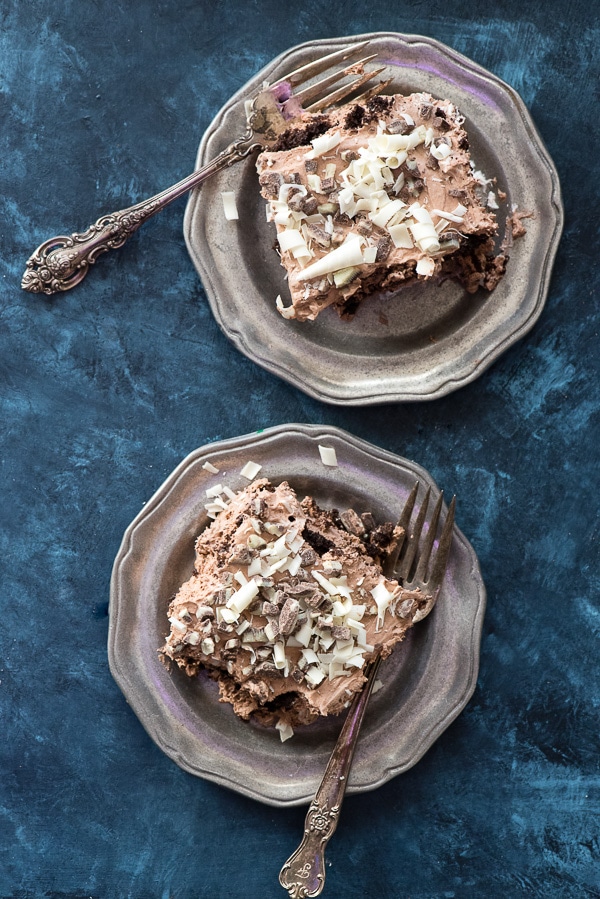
x=385 y=196
x=287 y=604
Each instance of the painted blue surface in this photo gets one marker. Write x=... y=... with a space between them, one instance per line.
x=105 y=389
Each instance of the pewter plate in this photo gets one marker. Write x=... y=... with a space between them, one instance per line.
x=425 y=341
x=427 y=680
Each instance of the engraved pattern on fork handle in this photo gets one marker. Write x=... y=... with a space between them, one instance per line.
x=303 y=875
x=62 y=262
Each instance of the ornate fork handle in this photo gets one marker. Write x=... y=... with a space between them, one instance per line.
x=62 y=262
x=303 y=875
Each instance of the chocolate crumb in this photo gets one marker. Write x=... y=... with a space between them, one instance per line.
x=317 y=541
x=379 y=104
x=300 y=137
x=355 y=117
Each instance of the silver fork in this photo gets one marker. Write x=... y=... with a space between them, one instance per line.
x=303 y=874
x=62 y=262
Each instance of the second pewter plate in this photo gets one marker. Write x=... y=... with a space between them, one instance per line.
x=426 y=341
x=427 y=680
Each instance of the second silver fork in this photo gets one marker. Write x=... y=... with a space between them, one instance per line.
x=303 y=874
x=62 y=262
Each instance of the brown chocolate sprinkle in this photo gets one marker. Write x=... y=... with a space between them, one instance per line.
x=314 y=600
x=319 y=234
x=341 y=633
x=310 y=205
x=308 y=556
x=425 y=110
x=384 y=246
x=311 y=166
x=368 y=520
x=296 y=201
x=328 y=185
x=352 y=523
x=363 y=225
x=270 y=608
x=271 y=182
x=400 y=126
x=241 y=555
x=300 y=588
x=288 y=616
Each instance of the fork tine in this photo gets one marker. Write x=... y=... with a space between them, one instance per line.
x=299 y=76
x=343 y=92
x=441 y=557
x=309 y=93
x=403 y=522
x=372 y=91
x=413 y=540
x=424 y=555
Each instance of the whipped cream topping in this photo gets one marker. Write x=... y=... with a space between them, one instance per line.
x=287 y=604
x=385 y=196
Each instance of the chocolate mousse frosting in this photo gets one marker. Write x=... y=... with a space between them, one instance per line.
x=287 y=604
x=384 y=195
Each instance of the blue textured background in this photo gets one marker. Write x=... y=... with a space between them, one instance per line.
x=105 y=389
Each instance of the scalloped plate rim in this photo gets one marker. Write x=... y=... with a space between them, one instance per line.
x=120 y=660
x=448 y=381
